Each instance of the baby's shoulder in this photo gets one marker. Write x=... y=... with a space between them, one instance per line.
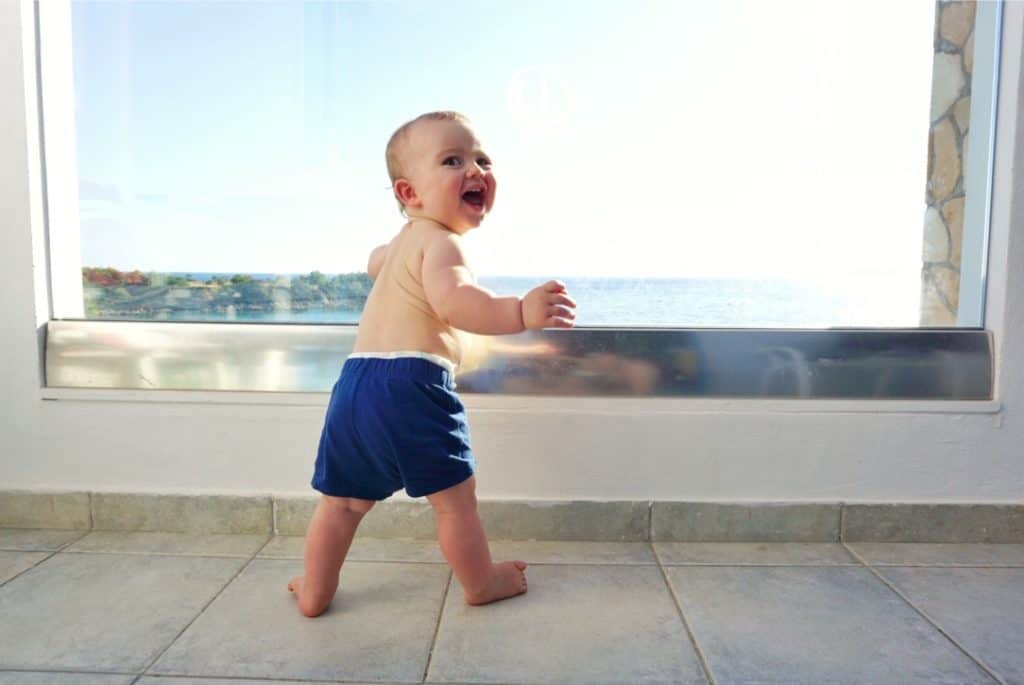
x=430 y=235
x=418 y=239
x=428 y=228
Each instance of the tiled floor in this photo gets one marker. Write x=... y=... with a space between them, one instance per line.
x=167 y=609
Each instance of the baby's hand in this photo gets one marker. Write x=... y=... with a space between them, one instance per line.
x=548 y=306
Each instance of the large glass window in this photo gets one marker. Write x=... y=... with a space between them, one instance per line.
x=747 y=164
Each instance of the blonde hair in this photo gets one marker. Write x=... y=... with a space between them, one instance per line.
x=393 y=153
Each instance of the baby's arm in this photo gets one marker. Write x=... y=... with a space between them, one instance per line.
x=460 y=302
x=376 y=261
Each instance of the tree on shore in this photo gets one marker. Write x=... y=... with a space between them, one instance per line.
x=114 y=293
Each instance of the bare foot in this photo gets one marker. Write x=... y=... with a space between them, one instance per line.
x=308 y=606
x=507 y=580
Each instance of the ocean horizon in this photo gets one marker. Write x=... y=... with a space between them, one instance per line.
x=675 y=302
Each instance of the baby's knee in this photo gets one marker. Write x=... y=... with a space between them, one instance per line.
x=359 y=506
x=456 y=499
x=350 y=505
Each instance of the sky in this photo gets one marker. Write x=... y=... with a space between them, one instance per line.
x=639 y=138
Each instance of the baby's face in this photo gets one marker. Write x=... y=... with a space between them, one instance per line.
x=451 y=175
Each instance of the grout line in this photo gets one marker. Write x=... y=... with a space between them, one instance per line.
x=71 y=671
x=248 y=678
x=21 y=573
x=130 y=552
x=84 y=534
x=273 y=680
x=926 y=617
x=49 y=555
x=682 y=616
x=628 y=564
x=437 y=626
x=133 y=553
x=750 y=564
x=526 y=559
x=842 y=522
x=273 y=516
x=937 y=565
x=650 y=521
x=205 y=607
x=92 y=516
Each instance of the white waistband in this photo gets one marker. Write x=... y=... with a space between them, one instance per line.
x=446 y=364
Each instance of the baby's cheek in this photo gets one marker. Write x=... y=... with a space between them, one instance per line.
x=492 y=188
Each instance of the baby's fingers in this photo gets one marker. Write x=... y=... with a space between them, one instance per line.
x=562 y=299
x=558 y=322
x=554 y=286
x=560 y=310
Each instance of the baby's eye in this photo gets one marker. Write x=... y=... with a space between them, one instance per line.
x=451 y=161
x=484 y=162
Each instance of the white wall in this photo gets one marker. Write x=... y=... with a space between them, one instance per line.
x=555 y=448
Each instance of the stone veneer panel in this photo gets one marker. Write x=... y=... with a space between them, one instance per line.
x=60 y=510
x=388 y=519
x=742 y=522
x=510 y=520
x=182 y=513
x=949 y=523
x=796 y=522
x=947 y=153
x=595 y=521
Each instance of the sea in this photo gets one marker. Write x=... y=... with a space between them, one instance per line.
x=671 y=302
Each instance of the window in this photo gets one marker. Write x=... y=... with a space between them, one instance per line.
x=722 y=165
x=749 y=164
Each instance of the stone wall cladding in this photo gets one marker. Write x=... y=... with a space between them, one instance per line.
x=619 y=521
x=947 y=152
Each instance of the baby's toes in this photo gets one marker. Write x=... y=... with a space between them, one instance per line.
x=521 y=567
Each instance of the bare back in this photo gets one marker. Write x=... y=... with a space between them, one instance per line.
x=397 y=316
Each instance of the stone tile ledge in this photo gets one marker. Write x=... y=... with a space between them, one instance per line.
x=614 y=521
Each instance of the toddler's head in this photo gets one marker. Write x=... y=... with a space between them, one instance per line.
x=439 y=171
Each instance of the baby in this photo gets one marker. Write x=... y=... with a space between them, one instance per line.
x=394 y=419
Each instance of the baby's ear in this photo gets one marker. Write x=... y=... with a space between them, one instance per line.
x=405 y=193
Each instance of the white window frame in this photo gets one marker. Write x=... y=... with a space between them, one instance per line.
x=60 y=167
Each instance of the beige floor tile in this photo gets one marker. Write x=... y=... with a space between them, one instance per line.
x=754 y=553
x=27 y=540
x=379 y=627
x=577 y=624
x=149 y=680
x=547 y=552
x=180 y=544
x=283 y=547
x=981 y=608
x=52 y=678
x=13 y=563
x=363 y=549
x=939 y=554
x=103 y=612
x=539 y=552
x=811 y=625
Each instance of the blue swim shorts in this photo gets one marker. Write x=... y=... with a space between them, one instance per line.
x=393 y=422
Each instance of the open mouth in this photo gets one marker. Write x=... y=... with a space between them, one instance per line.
x=474 y=198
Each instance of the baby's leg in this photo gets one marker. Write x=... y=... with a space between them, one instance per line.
x=328 y=538
x=464 y=545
